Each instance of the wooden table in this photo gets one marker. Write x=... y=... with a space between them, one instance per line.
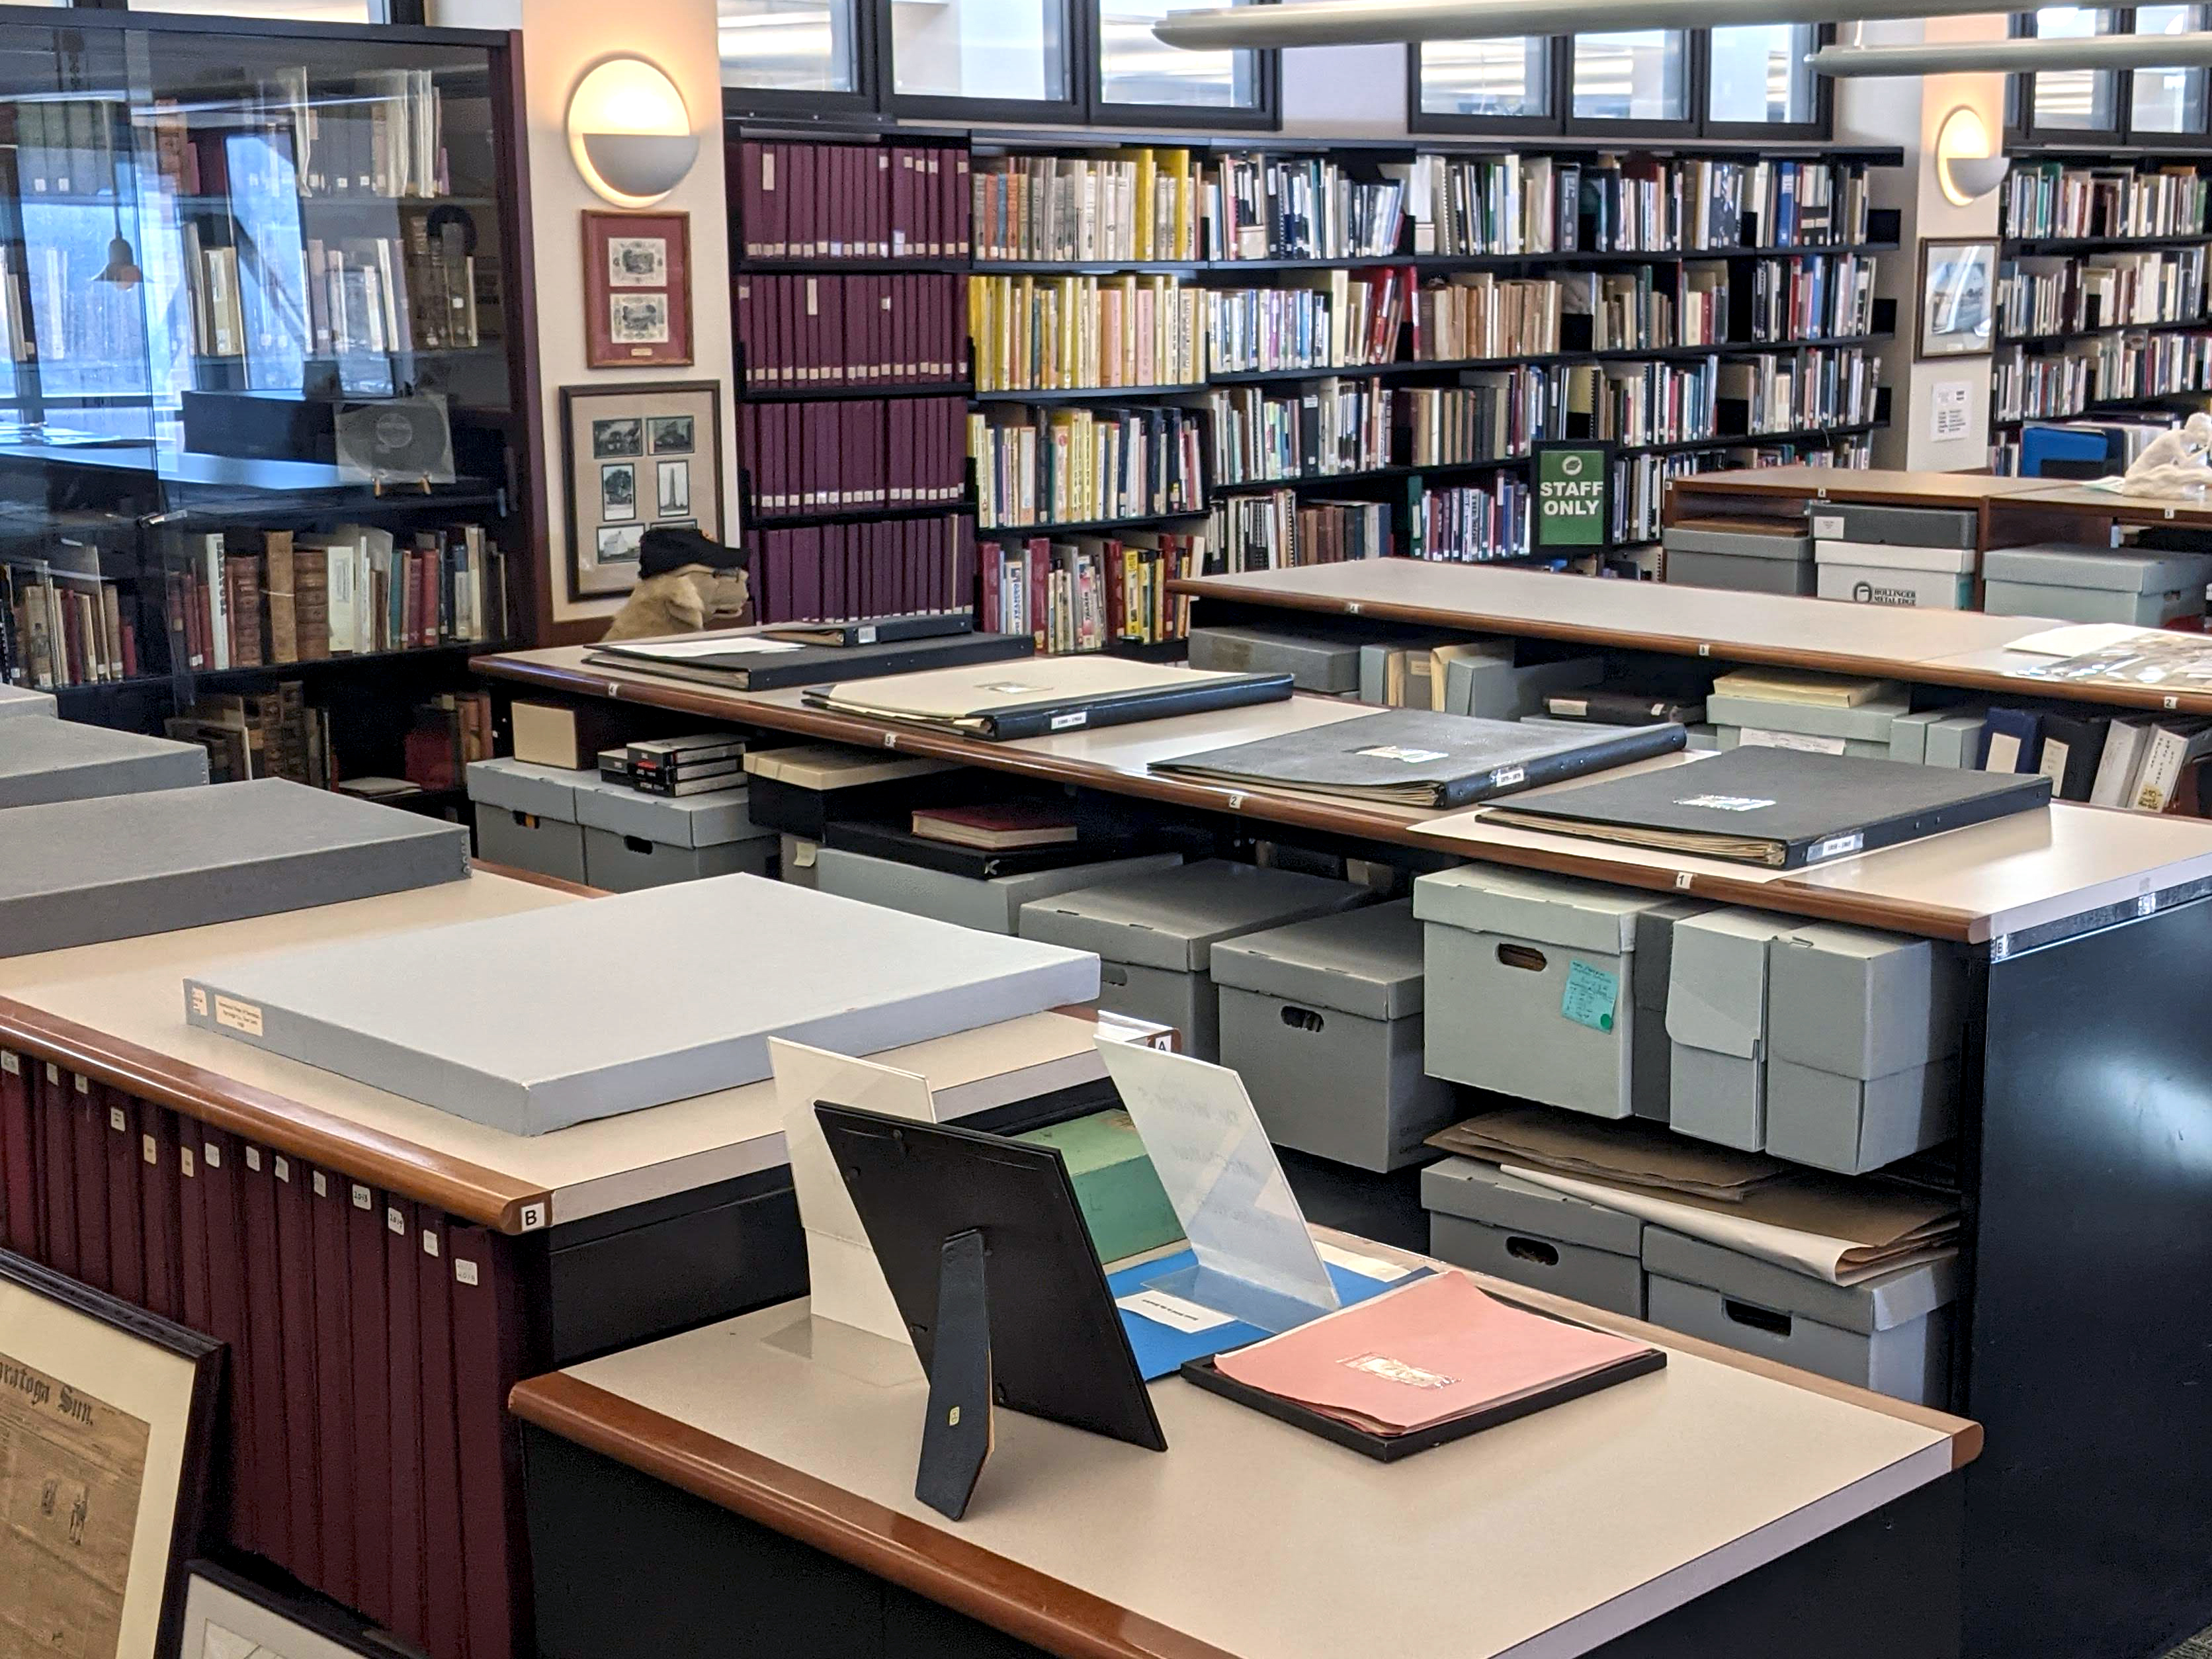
x=1722 y=1507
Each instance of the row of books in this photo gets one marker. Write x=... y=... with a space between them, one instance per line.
x=1321 y=428
x=2053 y=294
x=1477 y=315
x=444 y=734
x=63 y=146
x=1320 y=320
x=811 y=201
x=1277 y=531
x=1086 y=592
x=2051 y=198
x=845 y=457
x=1476 y=205
x=1305 y=207
x=1065 y=333
x=2143 y=764
x=364 y=1445
x=1080 y=465
x=62 y=628
x=1802 y=390
x=370 y=135
x=271 y=733
x=1828 y=297
x=853 y=330
x=1472 y=523
x=2108 y=369
x=885 y=568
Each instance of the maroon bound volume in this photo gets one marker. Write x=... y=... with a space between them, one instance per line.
x=262 y=1356
x=334 y=1381
x=19 y=1168
x=160 y=1227
x=296 y=1312
x=372 y=1446
x=126 y=1248
x=225 y=1252
x=487 y=1350
x=404 y=1404
x=89 y=1130
x=444 y=1588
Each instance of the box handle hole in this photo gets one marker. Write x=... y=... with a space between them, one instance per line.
x=638 y=844
x=1522 y=957
x=1759 y=1318
x=1304 y=1019
x=1532 y=1249
x=1109 y=974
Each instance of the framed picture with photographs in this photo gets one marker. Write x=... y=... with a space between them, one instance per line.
x=637 y=289
x=638 y=456
x=229 y=1616
x=107 y=1414
x=1958 y=298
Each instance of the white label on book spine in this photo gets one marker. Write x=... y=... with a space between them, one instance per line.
x=83 y=1084
x=429 y=1242
x=213 y=1155
x=244 y=1016
x=284 y=1170
x=185 y=1163
x=1171 y=1311
x=322 y=1184
x=1756 y=737
x=394 y=1221
x=1075 y=717
x=116 y=1120
x=1506 y=776
x=149 y=1149
x=10 y=1064
x=361 y=1198
x=465 y=1270
x=199 y=1001
x=1835 y=847
x=254 y=1158
x=53 y=1074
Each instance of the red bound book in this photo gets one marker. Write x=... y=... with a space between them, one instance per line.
x=296 y=1311
x=879 y=203
x=335 y=1420
x=829 y=189
x=836 y=368
x=366 y=1304
x=226 y=1255
x=853 y=294
x=773 y=231
x=403 y=1404
x=832 y=574
x=805 y=207
x=255 y=1183
x=444 y=1589
x=880 y=313
x=963 y=211
x=860 y=160
x=89 y=1129
x=741 y=301
x=899 y=419
x=956 y=320
x=849 y=157
x=789 y=293
x=991 y=620
x=749 y=215
x=903 y=245
x=806 y=574
x=926 y=166
x=127 y=1246
x=161 y=1226
x=19 y=1167
x=487 y=1350
x=427 y=580
x=195 y=1310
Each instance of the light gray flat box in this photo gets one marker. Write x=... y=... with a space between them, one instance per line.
x=1731 y=737
x=526 y=815
x=1322 y=1020
x=1314 y=662
x=1737 y=544
x=121 y=866
x=993 y=904
x=1482 y=1218
x=1896 y=526
x=43 y=761
x=1870 y=721
x=1891 y=1334
x=1650 y=1056
x=1717 y=1022
x=18 y=699
x=714 y=818
x=1952 y=738
x=1908 y=737
x=545 y=792
x=1155 y=934
x=532 y=1021
x=1704 y=735
x=1494 y=689
x=628 y=864
x=1501 y=949
x=795 y=860
x=1690 y=569
x=1851 y=1124
x=2076 y=583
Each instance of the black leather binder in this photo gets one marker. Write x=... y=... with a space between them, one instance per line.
x=741 y=669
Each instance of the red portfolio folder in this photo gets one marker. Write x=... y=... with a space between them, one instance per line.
x=126 y=1246
x=192 y=1233
x=161 y=1226
x=487 y=1350
x=404 y=1404
x=372 y=1443
x=334 y=1382
x=445 y=1592
x=88 y=1135
x=19 y=1168
x=295 y=1313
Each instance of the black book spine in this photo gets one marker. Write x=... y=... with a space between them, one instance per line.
x=1639 y=744
x=1008 y=725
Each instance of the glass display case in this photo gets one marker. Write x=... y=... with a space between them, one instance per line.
x=260 y=421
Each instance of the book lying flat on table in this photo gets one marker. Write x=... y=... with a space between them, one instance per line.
x=1784 y=808
x=1796 y=685
x=875 y=630
x=751 y=660
x=888 y=840
x=1047 y=694
x=997 y=826
x=1412 y=757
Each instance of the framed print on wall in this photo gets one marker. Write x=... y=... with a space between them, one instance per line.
x=106 y=1420
x=227 y=1616
x=1958 y=298
x=637 y=289
x=638 y=455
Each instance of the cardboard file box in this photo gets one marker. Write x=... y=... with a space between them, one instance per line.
x=1750 y=561
x=2095 y=584
x=994 y=905
x=1734 y=737
x=1154 y=934
x=16 y=700
x=1870 y=722
x=1891 y=1334
x=1877 y=573
x=568 y=735
x=634 y=840
x=1892 y=526
x=1651 y=1065
x=1314 y=662
x=1529 y=984
x=1952 y=738
x=1862 y=1035
x=1717 y=1024
x=526 y=815
x=1322 y=1020
x=1482 y=1218
x=43 y=761
x=1495 y=688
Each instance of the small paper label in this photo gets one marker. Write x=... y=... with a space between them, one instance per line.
x=465 y=1270
x=867 y=635
x=1828 y=526
x=767 y=167
x=812 y=306
x=244 y=1016
x=429 y=1242
x=1063 y=722
x=253 y=1157
x=211 y=1155
x=1758 y=738
x=1571 y=708
x=1506 y=776
x=322 y=1186
x=1835 y=847
x=1172 y=1311
x=1367 y=1266
x=1398 y=752
x=186 y=1163
x=1590 y=996
x=53 y=1074
x=10 y=1064
x=361 y=1198
x=149 y=1149
x=284 y=1170
x=82 y=1083
x=117 y=1121
x=199 y=1001
x=1397 y=1371
x=1725 y=803
x=394 y=1221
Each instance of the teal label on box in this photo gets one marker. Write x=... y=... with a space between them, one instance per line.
x=1590 y=997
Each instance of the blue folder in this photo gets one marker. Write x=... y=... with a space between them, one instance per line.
x=1162 y=1349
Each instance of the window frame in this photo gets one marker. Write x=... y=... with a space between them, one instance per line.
x=1822 y=124
x=1631 y=128
x=2021 y=130
x=1418 y=119
x=791 y=104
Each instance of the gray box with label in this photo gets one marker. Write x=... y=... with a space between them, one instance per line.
x=1314 y=662
x=1154 y=934
x=1747 y=560
x=1483 y=1219
x=993 y=904
x=1869 y=722
x=43 y=761
x=1322 y=1020
x=1731 y=737
x=1717 y=1022
x=1502 y=949
x=1892 y=526
x=2094 y=584
x=526 y=815
x=1891 y=1333
x=634 y=840
x=1651 y=1051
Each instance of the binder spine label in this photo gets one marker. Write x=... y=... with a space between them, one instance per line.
x=1073 y=718
x=149 y=1149
x=465 y=1270
x=117 y=1120
x=361 y=1198
x=187 y=1165
x=1835 y=847
x=9 y=1064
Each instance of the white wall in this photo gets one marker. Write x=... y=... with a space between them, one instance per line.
x=562 y=41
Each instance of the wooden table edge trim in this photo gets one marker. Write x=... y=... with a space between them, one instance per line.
x=453 y=1185
x=939 y=1565
x=536 y=878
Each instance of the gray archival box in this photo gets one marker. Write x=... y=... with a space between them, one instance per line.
x=43 y=761
x=533 y=1022
x=118 y=866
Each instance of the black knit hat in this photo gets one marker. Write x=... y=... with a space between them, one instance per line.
x=662 y=549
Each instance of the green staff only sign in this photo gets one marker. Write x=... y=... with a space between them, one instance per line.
x=1574 y=494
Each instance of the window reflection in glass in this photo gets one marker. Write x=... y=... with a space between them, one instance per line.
x=297 y=11
x=1760 y=74
x=2168 y=100
x=792 y=45
x=988 y=49
x=2079 y=99
x=1511 y=77
x=1631 y=74
x=1136 y=67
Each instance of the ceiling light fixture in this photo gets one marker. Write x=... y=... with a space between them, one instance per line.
x=2026 y=56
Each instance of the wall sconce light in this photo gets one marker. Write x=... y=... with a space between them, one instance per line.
x=629 y=132
x=1964 y=168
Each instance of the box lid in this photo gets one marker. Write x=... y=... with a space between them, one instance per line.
x=1868 y=722
x=1170 y=919
x=1787 y=544
x=834 y=766
x=1482 y=1191
x=1717 y=990
x=1860 y=1003
x=712 y=818
x=1876 y=1304
x=545 y=792
x=21 y=700
x=1360 y=961
x=2064 y=564
x=1655 y=948
x=1580 y=915
x=43 y=760
x=1894 y=555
